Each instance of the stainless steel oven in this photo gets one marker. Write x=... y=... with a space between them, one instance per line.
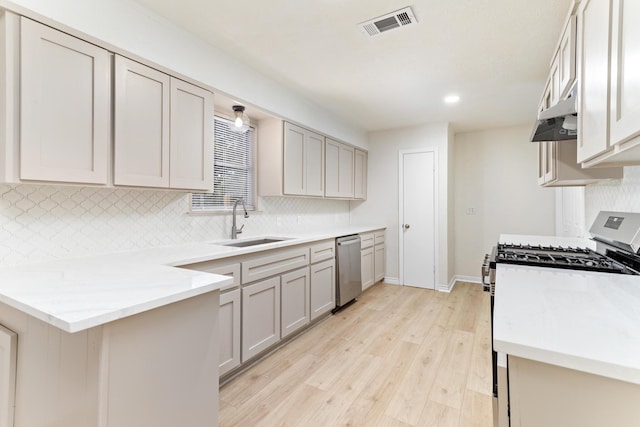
x=617 y=237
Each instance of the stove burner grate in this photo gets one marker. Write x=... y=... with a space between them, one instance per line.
x=559 y=257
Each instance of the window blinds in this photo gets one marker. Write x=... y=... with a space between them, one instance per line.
x=233 y=171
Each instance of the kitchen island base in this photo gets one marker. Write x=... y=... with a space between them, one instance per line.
x=541 y=394
x=157 y=368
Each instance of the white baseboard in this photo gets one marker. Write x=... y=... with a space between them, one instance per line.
x=446 y=288
x=391 y=280
x=472 y=279
x=440 y=286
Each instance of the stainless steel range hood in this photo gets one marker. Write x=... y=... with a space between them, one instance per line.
x=557 y=123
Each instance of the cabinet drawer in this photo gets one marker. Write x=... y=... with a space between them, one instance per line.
x=216 y=267
x=378 y=237
x=322 y=251
x=366 y=240
x=263 y=267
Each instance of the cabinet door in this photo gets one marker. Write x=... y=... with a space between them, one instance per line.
x=339 y=161
x=295 y=301
x=65 y=107
x=360 y=175
x=8 y=349
x=332 y=168
x=260 y=317
x=379 y=262
x=314 y=164
x=347 y=161
x=366 y=267
x=323 y=288
x=555 y=80
x=229 y=331
x=567 y=58
x=141 y=140
x=294 y=159
x=593 y=33
x=550 y=161
x=625 y=77
x=191 y=141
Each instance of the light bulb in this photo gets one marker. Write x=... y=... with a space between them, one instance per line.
x=238 y=121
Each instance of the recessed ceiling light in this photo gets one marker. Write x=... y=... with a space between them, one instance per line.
x=451 y=99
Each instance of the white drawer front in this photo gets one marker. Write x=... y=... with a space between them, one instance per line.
x=378 y=237
x=267 y=266
x=366 y=240
x=322 y=251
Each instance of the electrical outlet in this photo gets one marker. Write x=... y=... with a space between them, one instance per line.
x=471 y=211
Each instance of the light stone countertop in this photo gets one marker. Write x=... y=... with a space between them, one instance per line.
x=585 y=321
x=81 y=293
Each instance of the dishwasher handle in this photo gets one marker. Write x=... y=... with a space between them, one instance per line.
x=349 y=242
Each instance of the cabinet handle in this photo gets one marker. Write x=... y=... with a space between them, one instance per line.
x=406 y=226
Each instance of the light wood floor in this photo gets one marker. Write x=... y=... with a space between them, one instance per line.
x=399 y=356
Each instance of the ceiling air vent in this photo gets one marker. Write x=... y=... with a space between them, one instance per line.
x=399 y=18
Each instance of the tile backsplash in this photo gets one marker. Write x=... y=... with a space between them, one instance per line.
x=616 y=195
x=43 y=222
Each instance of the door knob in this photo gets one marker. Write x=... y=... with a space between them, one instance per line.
x=406 y=226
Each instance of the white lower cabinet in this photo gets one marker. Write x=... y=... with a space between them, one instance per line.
x=323 y=288
x=229 y=331
x=366 y=267
x=294 y=298
x=378 y=262
x=8 y=348
x=541 y=394
x=260 y=316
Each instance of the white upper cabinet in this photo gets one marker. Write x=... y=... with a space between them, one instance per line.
x=625 y=71
x=609 y=114
x=593 y=27
x=340 y=162
x=291 y=160
x=303 y=162
x=294 y=160
x=141 y=139
x=163 y=130
x=360 y=175
x=314 y=164
x=191 y=136
x=567 y=58
x=65 y=107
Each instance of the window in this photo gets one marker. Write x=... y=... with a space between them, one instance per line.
x=233 y=170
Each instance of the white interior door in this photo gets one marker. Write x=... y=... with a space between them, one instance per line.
x=417 y=219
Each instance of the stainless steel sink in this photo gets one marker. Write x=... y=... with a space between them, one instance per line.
x=254 y=242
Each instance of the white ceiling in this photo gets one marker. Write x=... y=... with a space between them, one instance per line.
x=493 y=53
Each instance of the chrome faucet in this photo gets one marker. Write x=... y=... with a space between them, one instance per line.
x=234 y=228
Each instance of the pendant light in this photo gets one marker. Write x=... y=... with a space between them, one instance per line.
x=241 y=121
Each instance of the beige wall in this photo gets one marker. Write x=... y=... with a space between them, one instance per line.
x=381 y=206
x=495 y=173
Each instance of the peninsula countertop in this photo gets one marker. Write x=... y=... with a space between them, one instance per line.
x=80 y=293
x=585 y=321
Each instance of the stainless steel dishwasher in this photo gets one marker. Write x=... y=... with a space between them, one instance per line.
x=349 y=280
